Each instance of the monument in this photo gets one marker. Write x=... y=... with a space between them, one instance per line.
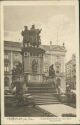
x=32 y=55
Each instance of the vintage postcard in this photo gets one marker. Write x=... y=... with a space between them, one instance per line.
x=40 y=62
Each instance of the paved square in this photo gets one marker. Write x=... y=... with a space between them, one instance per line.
x=58 y=109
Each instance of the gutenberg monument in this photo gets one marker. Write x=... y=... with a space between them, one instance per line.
x=32 y=55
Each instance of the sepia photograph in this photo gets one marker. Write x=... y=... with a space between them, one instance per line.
x=39 y=60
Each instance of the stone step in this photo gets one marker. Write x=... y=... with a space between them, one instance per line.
x=44 y=94
x=39 y=85
x=41 y=88
x=45 y=98
x=46 y=103
x=36 y=91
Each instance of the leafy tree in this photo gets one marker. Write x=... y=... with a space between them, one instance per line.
x=17 y=72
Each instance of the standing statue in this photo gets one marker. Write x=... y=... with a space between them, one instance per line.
x=25 y=35
x=34 y=36
x=31 y=36
x=38 y=37
x=34 y=66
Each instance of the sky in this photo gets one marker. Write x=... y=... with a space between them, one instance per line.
x=57 y=23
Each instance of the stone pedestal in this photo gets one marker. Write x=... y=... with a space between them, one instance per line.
x=33 y=64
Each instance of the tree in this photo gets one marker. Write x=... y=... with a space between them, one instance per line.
x=16 y=75
x=17 y=72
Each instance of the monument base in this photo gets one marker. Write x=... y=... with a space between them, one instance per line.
x=34 y=78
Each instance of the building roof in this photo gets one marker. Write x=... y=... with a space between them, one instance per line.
x=53 y=48
x=45 y=47
x=12 y=44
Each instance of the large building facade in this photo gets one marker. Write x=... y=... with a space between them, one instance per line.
x=54 y=54
x=70 y=69
x=12 y=55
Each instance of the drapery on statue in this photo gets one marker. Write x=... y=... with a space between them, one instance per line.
x=34 y=36
x=51 y=71
x=34 y=66
x=31 y=36
x=25 y=34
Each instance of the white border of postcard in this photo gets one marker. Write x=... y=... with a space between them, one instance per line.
x=39 y=120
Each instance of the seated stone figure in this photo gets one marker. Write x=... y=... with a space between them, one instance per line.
x=51 y=71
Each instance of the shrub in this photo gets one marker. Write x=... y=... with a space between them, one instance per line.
x=71 y=97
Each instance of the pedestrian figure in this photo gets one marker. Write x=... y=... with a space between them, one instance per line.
x=52 y=75
x=58 y=88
